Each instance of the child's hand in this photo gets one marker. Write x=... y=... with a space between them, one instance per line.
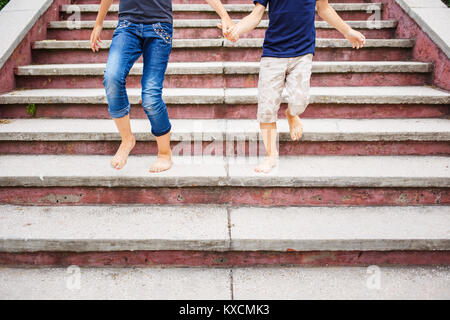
x=356 y=38
x=234 y=33
x=95 y=38
x=226 y=28
x=225 y=25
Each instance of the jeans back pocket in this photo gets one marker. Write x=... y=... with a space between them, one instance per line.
x=160 y=31
x=123 y=24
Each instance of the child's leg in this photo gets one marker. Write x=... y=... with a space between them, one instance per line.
x=127 y=144
x=269 y=134
x=125 y=50
x=157 y=48
x=297 y=86
x=270 y=89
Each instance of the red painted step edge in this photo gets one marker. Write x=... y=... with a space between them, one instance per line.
x=235 y=196
x=286 y=148
x=224 y=259
x=235 y=111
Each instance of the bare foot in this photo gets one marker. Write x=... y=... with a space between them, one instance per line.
x=295 y=126
x=163 y=163
x=120 y=159
x=267 y=164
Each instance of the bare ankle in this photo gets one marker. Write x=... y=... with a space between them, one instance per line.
x=289 y=114
x=273 y=155
x=128 y=139
x=165 y=154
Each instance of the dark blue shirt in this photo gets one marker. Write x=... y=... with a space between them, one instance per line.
x=291 y=31
x=146 y=11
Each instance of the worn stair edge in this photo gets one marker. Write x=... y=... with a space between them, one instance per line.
x=218 y=43
x=212 y=23
x=229 y=7
x=75 y=229
x=229 y=130
x=218 y=68
x=198 y=171
x=324 y=95
x=352 y=95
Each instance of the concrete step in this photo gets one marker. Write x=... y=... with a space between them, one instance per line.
x=321 y=136
x=213 y=171
x=227 y=74
x=326 y=102
x=203 y=50
x=353 y=11
x=115 y=283
x=212 y=23
x=207 y=28
x=231 y=68
x=218 y=130
x=274 y=283
x=207 y=228
x=217 y=43
x=247 y=8
x=355 y=95
x=324 y=95
x=314 y=181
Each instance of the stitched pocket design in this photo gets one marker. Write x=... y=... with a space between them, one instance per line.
x=123 y=24
x=160 y=31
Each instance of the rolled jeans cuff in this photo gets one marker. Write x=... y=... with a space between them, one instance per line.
x=116 y=114
x=161 y=132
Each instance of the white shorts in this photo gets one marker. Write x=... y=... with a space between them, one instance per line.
x=277 y=73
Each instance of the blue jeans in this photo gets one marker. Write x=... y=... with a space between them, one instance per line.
x=129 y=42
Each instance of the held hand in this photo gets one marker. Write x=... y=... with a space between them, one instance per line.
x=95 y=38
x=234 y=33
x=225 y=25
x=356 y=38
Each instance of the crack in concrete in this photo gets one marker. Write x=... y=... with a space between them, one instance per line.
x=229 y=228
x=231 y=284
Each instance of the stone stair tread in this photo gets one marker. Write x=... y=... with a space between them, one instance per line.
x=212 y=129
x=212 y=23
x=216 y=43
x=75 y=228
x=116 y=283
x=268 y=283
x=297 y=228
x=122 y=228
x=338 y=95
x=354 y=95
x=229 y=7
x=196 y=171
x=226 y=68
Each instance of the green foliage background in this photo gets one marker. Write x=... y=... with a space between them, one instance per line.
x=3 y=3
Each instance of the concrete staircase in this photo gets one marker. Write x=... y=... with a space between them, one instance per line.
x=368 y=184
